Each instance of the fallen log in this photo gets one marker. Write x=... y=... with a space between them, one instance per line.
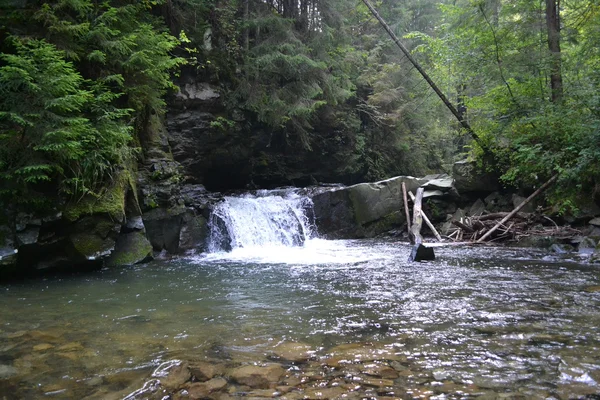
x=519 y=207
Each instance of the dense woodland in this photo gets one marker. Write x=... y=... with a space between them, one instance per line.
x=80 y=78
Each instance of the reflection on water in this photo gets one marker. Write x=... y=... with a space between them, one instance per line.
x=494 y=319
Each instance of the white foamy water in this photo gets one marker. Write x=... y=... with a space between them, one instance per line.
x=315 y=251
x=263 y=220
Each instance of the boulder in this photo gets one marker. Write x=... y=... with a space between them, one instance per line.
x=175 y=230
x=130 y=248
x=202 y=390
x=369 y=209
x=469 y=178
x=587 y=246
x=261 y=377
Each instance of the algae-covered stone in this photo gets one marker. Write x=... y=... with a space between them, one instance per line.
x=130 y=248
x=111 y=202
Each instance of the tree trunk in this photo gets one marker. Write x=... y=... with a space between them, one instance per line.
x=553 y=26
x=424 y=74
x=246 y=33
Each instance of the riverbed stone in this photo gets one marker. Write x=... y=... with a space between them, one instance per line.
x=294 y=351
x=255 y=376
x=587 y=246
x=561 y=248
x=204 y=371
x=177 y=377
x=42 y=347
x=360 y=352
x=6 y=371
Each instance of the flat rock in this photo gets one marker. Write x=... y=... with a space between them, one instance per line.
x=293 y=351
x=201 y=390
x=255 y=376
x=6 y=371
x=204 y=371
x=42 y=347
x=177 y=376
x=359 y=352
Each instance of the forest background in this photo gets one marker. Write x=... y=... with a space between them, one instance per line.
x=80 y=80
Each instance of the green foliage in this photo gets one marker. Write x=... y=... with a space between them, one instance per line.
x=75 y=77
x=55 y=126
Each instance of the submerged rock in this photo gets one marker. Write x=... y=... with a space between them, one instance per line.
x=292 y=351
x=261 y=377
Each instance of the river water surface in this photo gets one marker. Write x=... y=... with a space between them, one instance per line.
x=477 y=322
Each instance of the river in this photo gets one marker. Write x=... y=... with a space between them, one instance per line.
x=477 y=322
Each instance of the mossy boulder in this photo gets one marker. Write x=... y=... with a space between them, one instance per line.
x=111 y=201
x=130 y=248
x=93 y=237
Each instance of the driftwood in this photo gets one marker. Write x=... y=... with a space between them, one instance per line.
x=427 y=221
x=419 y=251
x=519 y=207
x=415 y=231
x=496 y=226
x=405 y=199
x=498 y=215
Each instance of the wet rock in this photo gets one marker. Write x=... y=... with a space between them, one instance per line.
x=359 y=352
x=73 y=346
x=204 y=371
x=595 y=222
x=261 y=377
x=380 y=371
x=175 y=230
x=293 y=351
x=6 y=371
x=42 y=347
x=324 y=393
x=587 y=246
x=177 y=377
x=130 y=248
x=561 y=248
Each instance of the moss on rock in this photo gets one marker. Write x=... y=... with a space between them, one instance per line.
x=111 y=202
x=131 y=248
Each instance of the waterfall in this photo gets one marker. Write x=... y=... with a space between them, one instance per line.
x=266 y=218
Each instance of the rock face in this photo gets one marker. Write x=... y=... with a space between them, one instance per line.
x=368 y=209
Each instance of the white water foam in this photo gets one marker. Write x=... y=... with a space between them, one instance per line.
x=273 y=228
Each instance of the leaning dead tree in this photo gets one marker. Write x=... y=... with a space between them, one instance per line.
x=459 y=116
